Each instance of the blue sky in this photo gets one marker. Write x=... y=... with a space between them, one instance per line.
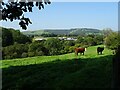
x=59 y=15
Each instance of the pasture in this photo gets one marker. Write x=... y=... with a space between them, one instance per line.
x=58 y=72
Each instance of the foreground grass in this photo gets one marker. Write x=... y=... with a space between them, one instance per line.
x=58 y=72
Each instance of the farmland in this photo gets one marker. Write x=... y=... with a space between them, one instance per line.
x=48 y=53
x=74 y=31
x=60 y=71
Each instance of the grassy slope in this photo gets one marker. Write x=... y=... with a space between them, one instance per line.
x=58 y=72
x=90 y=53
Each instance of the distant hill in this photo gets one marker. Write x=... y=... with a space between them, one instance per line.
x=85 y=31
x=76 y=31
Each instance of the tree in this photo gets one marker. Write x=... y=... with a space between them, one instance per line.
x=99 y=39
x=11 y=36
x=53 y=45
x=7 y=38
x=112 y=41
x=80 y=39
x=14 y=51
x=14 y=10
x=69 y=43
x=107 y=31
x=38 y=48
x=116 y=70
x=19 y=37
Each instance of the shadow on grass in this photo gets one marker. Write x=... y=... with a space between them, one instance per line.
x=70 y=73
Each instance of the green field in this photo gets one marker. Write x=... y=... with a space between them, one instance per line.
x=58 y=72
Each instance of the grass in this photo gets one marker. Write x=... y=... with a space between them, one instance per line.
x=59 y=72
x=90 y=53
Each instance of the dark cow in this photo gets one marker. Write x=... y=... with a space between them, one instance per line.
x=80 y=50
x=100 y=50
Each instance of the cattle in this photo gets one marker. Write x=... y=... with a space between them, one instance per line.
x=100 y=50
x=80 y=50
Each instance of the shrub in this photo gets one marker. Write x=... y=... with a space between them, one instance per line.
x=85 y=46
x=112 y=41
x=54 y=51
x=39 y=53
x=24 y=55
x=63 y=52
x=66 y=49
x=53 y=45
x=15 y=55
x=31 y=54
x=77 y=45
x=71 y=49
x=14 y=51
x=7 y=57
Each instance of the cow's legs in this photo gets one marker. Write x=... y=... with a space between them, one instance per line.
x=76 y=53
x=83 y=53
x=98 y=53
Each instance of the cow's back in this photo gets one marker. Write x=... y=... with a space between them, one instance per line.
x=100 y=49
x=80 y=50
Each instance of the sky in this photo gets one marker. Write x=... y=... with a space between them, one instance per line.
x=66 y=15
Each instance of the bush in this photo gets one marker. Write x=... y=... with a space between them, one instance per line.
x=24 y=55
x=66 y=49
x=15 y=55
x=54 y=51
x=54 y=46
x=14 y=51
x=7 y=57
x=31 y=54
x=112 y=41
x=39 y=53
x=69 y=43
x=63 y=52
x=85 y=46
x=71 y=49
x=77 y=45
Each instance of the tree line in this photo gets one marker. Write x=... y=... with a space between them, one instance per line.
x=17 y=45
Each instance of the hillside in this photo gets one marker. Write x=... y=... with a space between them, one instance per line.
x=76 y=31
x=59 y=72
x=85 y=31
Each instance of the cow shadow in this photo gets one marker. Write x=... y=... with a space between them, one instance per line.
x=59 y=74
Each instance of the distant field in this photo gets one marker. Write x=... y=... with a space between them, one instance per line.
x=62 y=71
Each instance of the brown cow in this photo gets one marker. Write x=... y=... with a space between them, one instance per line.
x=80 y=50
